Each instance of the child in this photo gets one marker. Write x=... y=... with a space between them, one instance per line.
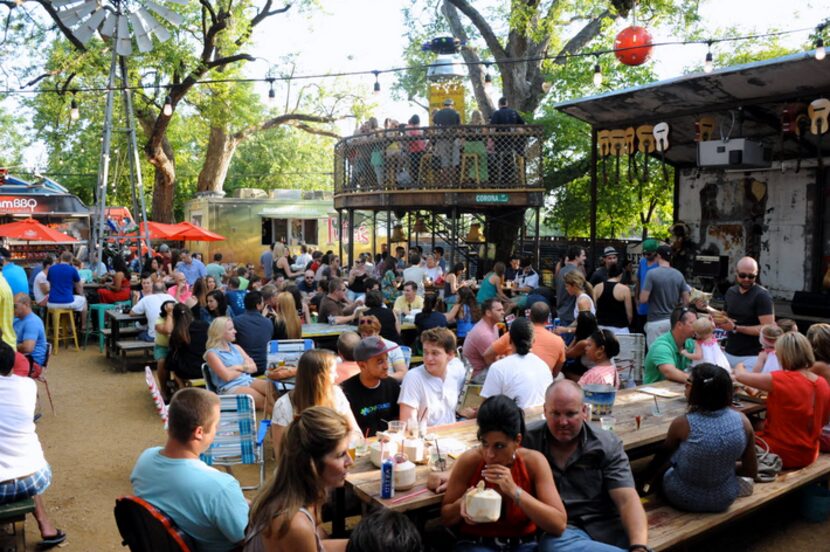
x=787 y=325
x=767 y=361
x=707 y=349
x=164 y=327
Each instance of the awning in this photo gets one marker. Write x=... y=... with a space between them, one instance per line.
x=297 y=212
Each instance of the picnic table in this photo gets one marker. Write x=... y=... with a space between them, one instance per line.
x=364 y=478
x=117 y=321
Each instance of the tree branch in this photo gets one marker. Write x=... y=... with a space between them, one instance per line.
x=471 y=57
x=583 y=37
x=318 y=131
x=267 y=12
x=288 y=118
x=219 y=62
x=208 y=8
x=483 y=27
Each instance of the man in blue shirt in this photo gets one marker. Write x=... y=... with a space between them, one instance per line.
x=14 y=275
x=66 y=291
x=254 y=331
x=205 y=503
x=192 y=268
x=31 y=335
x=235 y=296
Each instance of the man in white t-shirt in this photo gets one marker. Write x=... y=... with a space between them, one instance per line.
x=432 y=390
x=415 y=273
x=522 y=376
x=150 y=306
x=40 y=286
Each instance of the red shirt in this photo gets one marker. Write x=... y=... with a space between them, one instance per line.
x=796 y=411
x=513 y=522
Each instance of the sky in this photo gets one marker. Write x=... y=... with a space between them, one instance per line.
x=364 y=35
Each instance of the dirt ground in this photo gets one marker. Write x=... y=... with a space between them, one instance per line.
x=104 y=419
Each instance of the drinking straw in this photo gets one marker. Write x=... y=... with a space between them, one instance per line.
x=656 y=404
x=408 y=496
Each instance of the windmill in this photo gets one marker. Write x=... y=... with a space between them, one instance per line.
x=118 y=21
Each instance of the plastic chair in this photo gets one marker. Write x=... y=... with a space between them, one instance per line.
x=145 y=528
x=238 y=439
x=407 y=354
x=56 y=316
x=289 y=351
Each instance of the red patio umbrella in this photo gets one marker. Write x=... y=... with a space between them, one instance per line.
x=191 y=232
x=31 y=230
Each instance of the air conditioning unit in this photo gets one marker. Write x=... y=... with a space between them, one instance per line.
x=737 y=153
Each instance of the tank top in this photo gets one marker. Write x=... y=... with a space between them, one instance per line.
x=277 y=271
x=359 y=284
x=486 y=289
x=513 y=522
x=796 y=410
x=611 y=312
x=253 y=539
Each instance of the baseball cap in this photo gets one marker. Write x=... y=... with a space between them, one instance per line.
x=664 y=251
x=609 y=251
x=449 y=101
x=164 y=248
x=371 y=347
x=650 y=245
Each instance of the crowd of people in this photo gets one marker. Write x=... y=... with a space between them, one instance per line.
x=567 y=484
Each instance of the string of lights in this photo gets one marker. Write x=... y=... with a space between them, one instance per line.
x=270 y=79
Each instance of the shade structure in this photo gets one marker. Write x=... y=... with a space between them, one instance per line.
x=191 y=232
x=31 y=230
x=158 y=231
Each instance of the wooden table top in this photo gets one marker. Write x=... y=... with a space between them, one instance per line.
x=326 y=330
x=118 y=316
x=364 y=478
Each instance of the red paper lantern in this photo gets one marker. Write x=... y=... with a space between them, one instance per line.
x=633 y=45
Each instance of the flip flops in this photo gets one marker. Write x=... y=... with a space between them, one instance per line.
x=51 y=542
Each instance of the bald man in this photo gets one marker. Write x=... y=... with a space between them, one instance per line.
x=604 y=513
x=749 y=307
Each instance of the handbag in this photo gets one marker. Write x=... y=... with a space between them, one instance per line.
x=769 y=463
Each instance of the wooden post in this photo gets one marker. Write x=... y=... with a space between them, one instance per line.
x=593 y=195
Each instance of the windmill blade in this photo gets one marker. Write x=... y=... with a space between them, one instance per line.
x=142 y=36
x=74 y=15
x=108 y=28
x=179 y=2
x=166 y=13
x=61 y=3
x=87 y=29
x=153 y=26
x=123 y=44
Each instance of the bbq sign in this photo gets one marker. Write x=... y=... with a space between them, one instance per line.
x=11 y=204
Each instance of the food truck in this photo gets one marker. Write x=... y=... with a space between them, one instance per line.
x=253 y=219
x=50 y=204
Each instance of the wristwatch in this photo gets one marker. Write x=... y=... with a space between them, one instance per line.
x=639 y=548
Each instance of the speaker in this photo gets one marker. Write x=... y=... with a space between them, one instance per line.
x=809 y=303
x=706 y=266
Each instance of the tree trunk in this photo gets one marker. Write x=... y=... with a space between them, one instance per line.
x=503 y=230
x=164 y=163
x=220 y=149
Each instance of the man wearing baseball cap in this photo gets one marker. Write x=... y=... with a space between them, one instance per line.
x=609 y=257
x=664 y=289
x=647 y=262
x=372 y=394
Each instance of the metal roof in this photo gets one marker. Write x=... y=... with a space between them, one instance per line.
x=760 y=89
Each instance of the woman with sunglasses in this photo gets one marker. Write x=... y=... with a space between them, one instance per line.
x=704 y=446
x=521 y=476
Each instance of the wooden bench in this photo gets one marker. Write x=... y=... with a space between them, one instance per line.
x=15 y=515
x=124 y=346
x=668 y=527
x=109 y=346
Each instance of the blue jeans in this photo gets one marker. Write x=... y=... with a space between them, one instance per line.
x=468 y=546
x=574 y=540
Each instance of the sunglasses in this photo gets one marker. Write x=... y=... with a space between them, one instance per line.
x=364 y=322
x=747 y=276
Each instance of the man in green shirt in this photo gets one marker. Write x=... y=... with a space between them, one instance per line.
x=664 y=360
x=216 y=269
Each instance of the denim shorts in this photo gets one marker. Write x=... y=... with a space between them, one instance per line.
x=160 y=352
x=25 y=487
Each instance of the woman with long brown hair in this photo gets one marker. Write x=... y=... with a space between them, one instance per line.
x=316 y=373
x=315 y=461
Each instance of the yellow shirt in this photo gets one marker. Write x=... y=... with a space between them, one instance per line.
x=404 y=306
x=7 y=313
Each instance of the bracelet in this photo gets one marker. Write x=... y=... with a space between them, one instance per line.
x=517 y=496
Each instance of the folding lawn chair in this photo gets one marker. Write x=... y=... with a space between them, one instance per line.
x=145 y=528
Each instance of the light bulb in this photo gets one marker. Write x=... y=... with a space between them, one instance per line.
x=708 y=65
x=821 y=53
x=74 y=113
x=597 y=75
x=168 y=106
x=272 y=95
x=376 y=89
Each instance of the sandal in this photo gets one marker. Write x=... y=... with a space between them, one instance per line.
x=51 y=542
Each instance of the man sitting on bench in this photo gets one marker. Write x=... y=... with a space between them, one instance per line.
x=205 y=503
x=592 y=474
x=24 y=472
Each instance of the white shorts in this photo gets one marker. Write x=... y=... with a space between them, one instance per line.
x=79 y=304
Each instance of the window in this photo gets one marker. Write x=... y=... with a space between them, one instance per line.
x=310 y=231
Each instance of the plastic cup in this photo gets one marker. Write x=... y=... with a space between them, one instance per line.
x=608 y=422
x=396 y=427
